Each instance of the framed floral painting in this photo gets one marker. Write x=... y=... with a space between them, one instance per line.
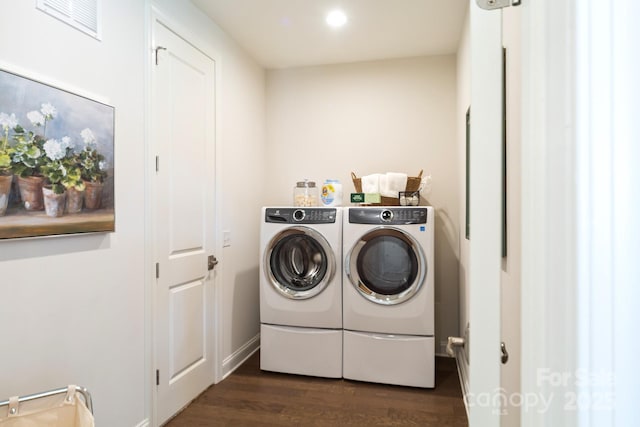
x=56 y=161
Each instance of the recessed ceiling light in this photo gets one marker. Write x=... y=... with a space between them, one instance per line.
x=336 y=18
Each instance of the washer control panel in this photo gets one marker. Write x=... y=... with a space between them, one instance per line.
x=301 y=215
x=387 y=215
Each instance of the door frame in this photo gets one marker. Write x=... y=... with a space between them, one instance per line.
x=485 y=243
x=155 y=14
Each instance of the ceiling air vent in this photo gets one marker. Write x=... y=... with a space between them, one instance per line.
x=80 y=14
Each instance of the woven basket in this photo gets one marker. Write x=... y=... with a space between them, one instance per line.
x=413 y=184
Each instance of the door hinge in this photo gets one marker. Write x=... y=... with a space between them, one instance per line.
x=497 y=4
x=157 y=270
x=157 y=163
x=157 y=376
x=156 y=52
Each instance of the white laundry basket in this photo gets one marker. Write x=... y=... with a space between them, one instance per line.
x=57 y=408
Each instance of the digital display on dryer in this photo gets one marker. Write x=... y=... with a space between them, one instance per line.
x=388 y=216
x=301 y=215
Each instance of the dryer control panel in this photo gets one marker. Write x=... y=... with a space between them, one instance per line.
x=301 y=215
x=388 y=215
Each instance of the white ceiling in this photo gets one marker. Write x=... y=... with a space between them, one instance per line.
x=292 y=33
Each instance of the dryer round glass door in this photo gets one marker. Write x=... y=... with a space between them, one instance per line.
x=387 y=266
x=299 y=262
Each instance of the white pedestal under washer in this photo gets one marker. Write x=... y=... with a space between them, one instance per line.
x=301 y=291
x=388 y=295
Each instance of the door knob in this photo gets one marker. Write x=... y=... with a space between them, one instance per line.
x=212 y=261
x=505 y=354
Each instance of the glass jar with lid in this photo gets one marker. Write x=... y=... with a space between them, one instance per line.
x=305 y=194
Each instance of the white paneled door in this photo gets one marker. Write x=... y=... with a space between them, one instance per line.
x=183 y=128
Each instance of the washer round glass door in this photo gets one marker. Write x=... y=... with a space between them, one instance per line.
x=387 y=266
x=299 y=262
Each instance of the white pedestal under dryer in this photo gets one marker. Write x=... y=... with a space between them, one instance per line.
x=388 y=295
x=301 y=291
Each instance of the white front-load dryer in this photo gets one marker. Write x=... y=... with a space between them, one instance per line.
x=388 y=295
x=301 y=291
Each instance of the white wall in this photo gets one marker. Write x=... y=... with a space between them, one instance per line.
x=241 y=105
x=72 y=308
x=395 y=115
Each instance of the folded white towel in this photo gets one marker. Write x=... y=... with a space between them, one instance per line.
x=383 y=185
x=371 y=183
x=392 y=183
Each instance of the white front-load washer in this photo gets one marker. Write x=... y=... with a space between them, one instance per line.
x=301 y=291
x=388 y=295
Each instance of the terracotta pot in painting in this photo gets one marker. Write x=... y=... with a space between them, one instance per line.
x=93 y=195
x=31 y=192
x=54 y=204
x=75 y=198
x=5 y=191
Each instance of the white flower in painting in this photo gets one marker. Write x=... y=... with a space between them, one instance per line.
x=66 y=142
x=53 y=149
x=8 y=121
x=102 y=165
x=36 y=118
x=49 y=111
x=88 y=137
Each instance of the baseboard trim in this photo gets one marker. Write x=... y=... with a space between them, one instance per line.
x=463 y=375
x=143 y=423
x=237 y=358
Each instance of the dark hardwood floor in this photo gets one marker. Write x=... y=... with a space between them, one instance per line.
x=251 y=397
